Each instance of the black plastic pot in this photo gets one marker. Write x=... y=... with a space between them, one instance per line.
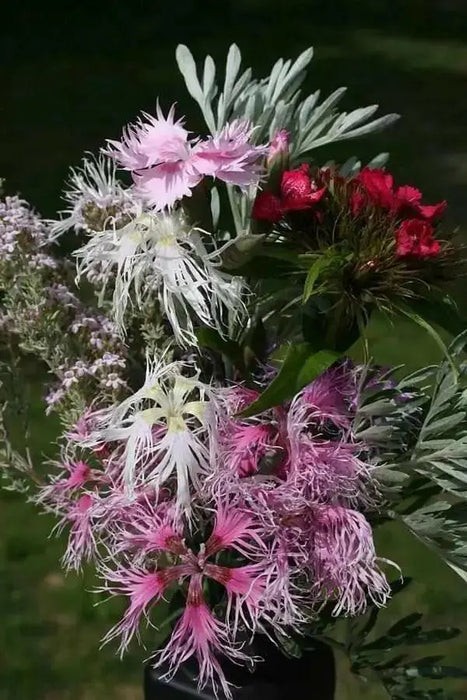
x=277 y=678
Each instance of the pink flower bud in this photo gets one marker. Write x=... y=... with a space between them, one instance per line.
x=279 y=147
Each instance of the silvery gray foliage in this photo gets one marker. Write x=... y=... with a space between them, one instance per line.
x=392 y=655
x=353 y=165
x=419 y=430
x=442 y=525
x=274 y=102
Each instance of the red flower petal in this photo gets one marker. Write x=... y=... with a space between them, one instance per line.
x=432 y=211
x=414 y=238
x=267 y=207
x=296 y=184
x=298 y=190
x=408 y=194
x=357 y=202
x=306 y=202
x=377 y=184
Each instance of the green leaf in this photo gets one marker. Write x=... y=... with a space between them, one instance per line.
x=209 y=76
x=254 y=346
x=434 y=671
x=187 y=68
x=419 y=320
x=301 y=365
x=316 y=269
x=441 y=310
x=210 y=338
x=404 y=622
x=261 y=267
x=435 y=636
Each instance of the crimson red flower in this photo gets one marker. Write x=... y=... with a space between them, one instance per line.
x=377 y=184
x=408 y=200
x=267 y=207
x=376 y=187
x=414 y=238
x=298 y=191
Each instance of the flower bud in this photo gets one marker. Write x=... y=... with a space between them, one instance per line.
x=279 y=149
x=277 y=158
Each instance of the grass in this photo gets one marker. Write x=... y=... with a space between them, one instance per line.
x=77 y=78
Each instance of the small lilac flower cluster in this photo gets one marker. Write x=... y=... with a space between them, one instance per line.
x=104 y=367
x=37 y=304
x=281 y=495
x=99 y=331
x=106 y=370
x=22 y=234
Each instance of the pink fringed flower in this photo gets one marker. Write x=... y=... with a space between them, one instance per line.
x=158 y=153
x=151 y=141
x=345 y=562
x=81 y=540
x=330 y=396
x=75 y=476
x=153 y=528
x=198 y=631
x=240 y=445
x=166 y=183
x=234 y=529
x=229 y=155
x=246 y=446
x=166 y=164
x=328 y=471
x=245 y=587
x=144 y=589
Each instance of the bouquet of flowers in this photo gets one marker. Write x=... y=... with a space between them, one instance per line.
x=223 y=460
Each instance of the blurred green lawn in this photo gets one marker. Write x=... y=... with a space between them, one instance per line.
x=72 y=82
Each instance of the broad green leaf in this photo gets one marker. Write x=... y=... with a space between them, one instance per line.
x=301 y=365
x=403 y=623
x=254 y=345
x=259 y=267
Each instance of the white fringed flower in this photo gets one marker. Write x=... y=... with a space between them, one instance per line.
x=162 y=428
x=159 y=253
x=94 y=194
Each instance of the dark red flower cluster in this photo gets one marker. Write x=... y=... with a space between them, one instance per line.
x=372 y=189
x=376 y=187
x=298 y=191
x=415 y=235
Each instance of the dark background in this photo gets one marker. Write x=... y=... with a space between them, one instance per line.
x=73 y=74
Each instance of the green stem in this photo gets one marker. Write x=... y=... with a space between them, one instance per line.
x=235 y=211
